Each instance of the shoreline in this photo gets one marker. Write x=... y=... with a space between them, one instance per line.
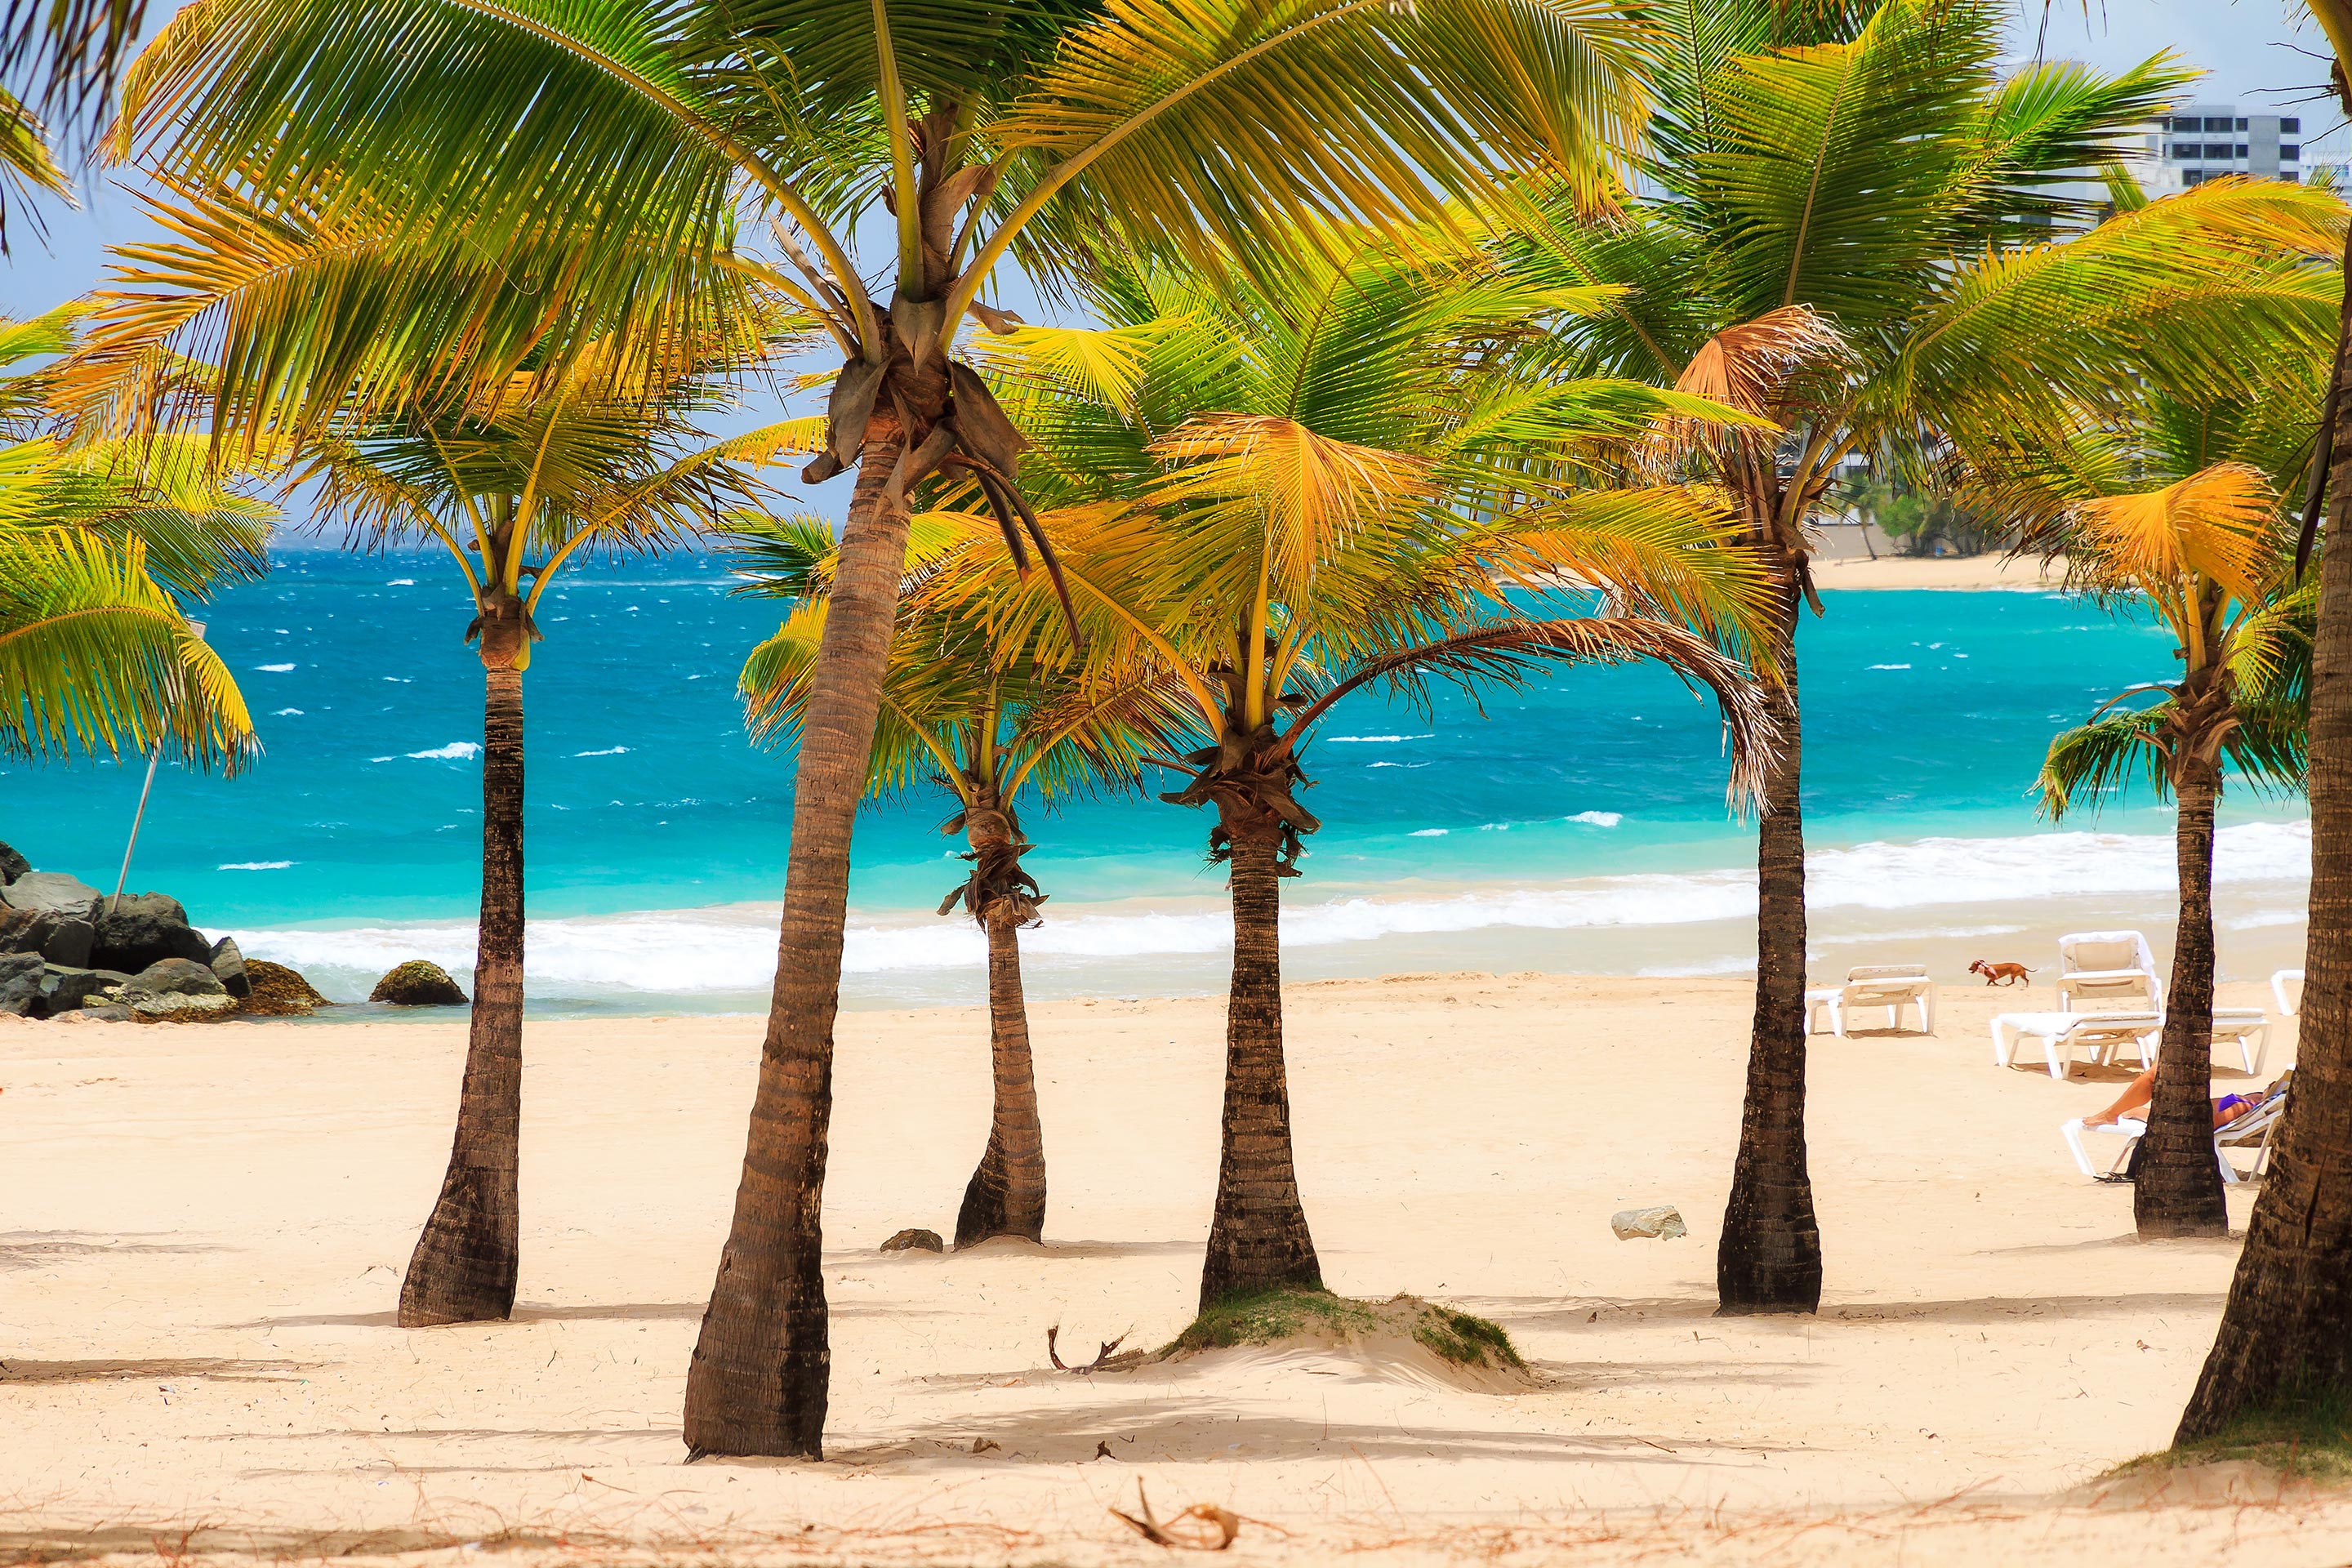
x=1998 y=898
x=1990 y=573
x=205 y=1244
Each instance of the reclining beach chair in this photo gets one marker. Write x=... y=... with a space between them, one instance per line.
x=2063 y=1034
x=2286 y=989
x=2253 y=1131
x=1893 y=987
x=2108 y=966
x=2248 y=1028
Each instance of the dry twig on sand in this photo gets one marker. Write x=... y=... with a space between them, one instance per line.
x=1203 y=1527
x=1104 y=1360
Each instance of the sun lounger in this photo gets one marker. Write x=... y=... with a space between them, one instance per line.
x=2063 y=1034
x=1893 y=987
x=2247 y=1029
x=2253 y=1131
x=2286 y=988
x=2111 y=966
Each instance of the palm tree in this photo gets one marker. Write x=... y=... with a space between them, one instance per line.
x=2206 y=553
x=2285 y=1339
x=979 y=721
x=101 y=547
x=609 y=152
x=584 y=465
x=1859 y=235
x=1320 y=485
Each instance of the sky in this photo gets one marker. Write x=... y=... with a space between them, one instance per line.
x=2253 y=50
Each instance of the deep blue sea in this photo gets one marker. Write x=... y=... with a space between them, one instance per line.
x=1577 y=826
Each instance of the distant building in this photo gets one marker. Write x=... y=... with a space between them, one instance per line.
x=2201 y=141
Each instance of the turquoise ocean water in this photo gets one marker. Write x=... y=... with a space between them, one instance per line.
x=1578 y=826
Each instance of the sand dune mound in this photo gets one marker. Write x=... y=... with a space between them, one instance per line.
x=1403 y=1338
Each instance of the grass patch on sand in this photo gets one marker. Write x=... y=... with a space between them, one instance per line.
x=1284 y=1314
x=2309 y=1439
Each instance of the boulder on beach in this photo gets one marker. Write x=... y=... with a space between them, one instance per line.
x=59 y=938
x=277 y=992
x=176 y=987
x=52 y=894
x=12 y=865
x=20 y=983
x=228 y=966
x=915 y=1241
x=65 y=989
x=419 y=983
x=143 y=929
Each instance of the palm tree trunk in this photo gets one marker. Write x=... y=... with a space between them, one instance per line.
x=1007 y=1193
x=464 y=1268
x=1258 y=1234
x=757 y=1385
x=2286 y=1332
x=1770 y=1260
x=2176 y=1187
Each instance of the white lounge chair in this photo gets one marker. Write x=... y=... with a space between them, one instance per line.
x=2251 y=1131
x=2286 y=989
x=1893 y=987
x=2061 y=1033
x=2110 y=966
x=2247 y=1029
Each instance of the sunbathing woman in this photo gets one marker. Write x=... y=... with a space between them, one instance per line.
x=2142 y=1089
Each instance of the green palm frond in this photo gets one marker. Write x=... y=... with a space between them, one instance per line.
x=96 y=658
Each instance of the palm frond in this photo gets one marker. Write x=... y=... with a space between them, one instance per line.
x=96 y=658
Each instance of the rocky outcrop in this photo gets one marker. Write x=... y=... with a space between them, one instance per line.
x=228 y=967
x=176 y=986
x=59 y=938
x=277 y=992
x=65 y=989
x=51 y=893
x=915 y=1241
x=20 y=983
x=143 y=929
x=67 y=950
x=418 y=982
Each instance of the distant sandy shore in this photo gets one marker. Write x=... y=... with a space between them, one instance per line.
x=1921 y=572
x=205 y=1227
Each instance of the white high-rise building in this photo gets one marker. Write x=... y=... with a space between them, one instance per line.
x=2200 y=141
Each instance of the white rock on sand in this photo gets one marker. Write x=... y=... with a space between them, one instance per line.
x=203 y=1229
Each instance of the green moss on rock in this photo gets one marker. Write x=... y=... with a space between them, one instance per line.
x=277 y=992
x=418 y=982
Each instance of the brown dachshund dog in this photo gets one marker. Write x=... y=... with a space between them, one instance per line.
x=2001 y=973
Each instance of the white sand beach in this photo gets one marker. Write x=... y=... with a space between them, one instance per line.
x=1961 y=572
x=204 y=1228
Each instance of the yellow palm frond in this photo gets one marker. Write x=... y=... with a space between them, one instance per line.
x=1306 y=495
x=2218 y=523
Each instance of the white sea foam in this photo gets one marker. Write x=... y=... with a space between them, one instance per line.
x=455 y=751
x=607 y=751
x=1371 y=739
x=1890 y=667
x=1599 y=818
x=287 y=713
x=402 y=583
x=1429 y=833
x=273 y=668
x=254 y=865
x=732 y=948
